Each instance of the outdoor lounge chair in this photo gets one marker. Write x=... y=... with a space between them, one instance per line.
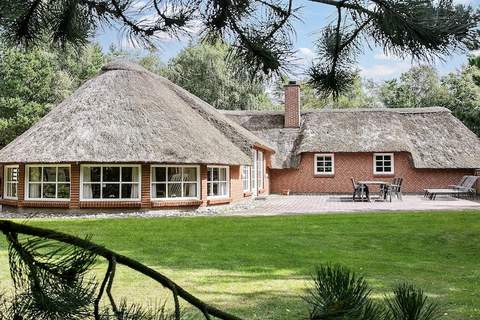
x=464 y=188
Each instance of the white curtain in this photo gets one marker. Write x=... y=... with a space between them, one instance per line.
x=34 y=190
x=87 y=187
x=134 y=192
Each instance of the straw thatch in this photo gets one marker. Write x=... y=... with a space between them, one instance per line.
x=127 y=114
x=433 y=136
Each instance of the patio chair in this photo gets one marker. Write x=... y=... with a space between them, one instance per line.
x=395 y=188
x=465 y=188
x=359 y=191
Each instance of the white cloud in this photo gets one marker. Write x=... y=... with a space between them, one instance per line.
x=382 y=71
x=303 y=58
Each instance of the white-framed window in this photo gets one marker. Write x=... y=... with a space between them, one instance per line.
x=175 y=182
x=218 y=181
x=246 y=178
x=47 y=182
x=110 y=182
x=324 y=164
x=11 y=182
x=383 y=163
x=260 y=170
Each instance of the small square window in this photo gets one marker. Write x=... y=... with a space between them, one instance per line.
x=383 y=163
x=324 y=164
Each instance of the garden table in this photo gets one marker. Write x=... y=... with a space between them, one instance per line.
x=381 y=184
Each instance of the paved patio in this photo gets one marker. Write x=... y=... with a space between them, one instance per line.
x=297 y=204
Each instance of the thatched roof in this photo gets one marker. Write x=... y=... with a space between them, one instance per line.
x=433 y=136
x=127 y=114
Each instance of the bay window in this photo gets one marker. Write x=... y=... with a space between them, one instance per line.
x=217 y=181
x=110 y=182
x=11 y=182
x=169 y=182
x=48 y=182
x=246 y=180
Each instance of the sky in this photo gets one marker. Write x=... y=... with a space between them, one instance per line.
x=373 y=63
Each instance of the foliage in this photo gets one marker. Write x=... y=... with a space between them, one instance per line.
x=33 y=81
x=410 y=303
x=205 y=71
x=357 y=96
x=260 y=32
x=49 y=269
x=423 y=87
x=338 y=293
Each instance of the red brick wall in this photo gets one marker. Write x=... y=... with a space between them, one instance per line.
x=360 y=167
x=145 y=186
x=21 y=184
x=292 y=106
x=236 y=186
x=74 y=186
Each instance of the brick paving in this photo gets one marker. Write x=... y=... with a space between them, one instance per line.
x=297 y=204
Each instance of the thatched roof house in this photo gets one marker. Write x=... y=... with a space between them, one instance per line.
x=130 y=138
x=433 y=136
x=128 y=114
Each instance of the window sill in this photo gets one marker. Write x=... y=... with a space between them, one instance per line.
x=176 y=203
x=219 y=201
x=386 y=175
x=330 y=175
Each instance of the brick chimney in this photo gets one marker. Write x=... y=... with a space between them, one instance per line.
x=292 y=105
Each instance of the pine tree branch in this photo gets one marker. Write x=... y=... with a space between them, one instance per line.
x=9 y=227
x=343 y=4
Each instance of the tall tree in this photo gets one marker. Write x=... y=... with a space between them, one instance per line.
x=205 y=71
x=34 y=81
x=418 y=87
x=260 y=31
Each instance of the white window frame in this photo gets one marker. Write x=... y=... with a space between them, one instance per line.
x=6 y=182
x=261 y=170
x=315 y=166
x=227 y=176
x=167 y=182
x=246 y=179
x=27 y=181
x=120 y=183
x=392 y=156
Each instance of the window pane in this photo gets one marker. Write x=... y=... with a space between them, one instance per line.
x=215 y=188
x=63 y=191
x=50 y=174
x=160 y=174
x=213 y=174
x=189 y=174
x=64 y=174
x=159 y=190
x=130 y=174
x=222 y=174
x=111 y=191
x=209 y=189
x=130 y=191
x=174 y=174
x=34 y=174
x=174 y=190
x=379 y=169
x=49 y=190
x=222 y=188
x=190 y=190
x=91 y=191
x=34 y=190
x=12 y=174
x=91 y=174
x=111 y=174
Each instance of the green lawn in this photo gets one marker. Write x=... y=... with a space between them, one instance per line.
x=258 y=267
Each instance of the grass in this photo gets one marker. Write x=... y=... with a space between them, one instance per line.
x=258 y=267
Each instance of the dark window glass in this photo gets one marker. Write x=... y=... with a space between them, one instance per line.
x=63 y=191
x=111 y=174
x=160 y=174
x=111 y=191
x=129 y=191
x=49 y=190
x=159 y=190
x=64 y=174
x=50 y=174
